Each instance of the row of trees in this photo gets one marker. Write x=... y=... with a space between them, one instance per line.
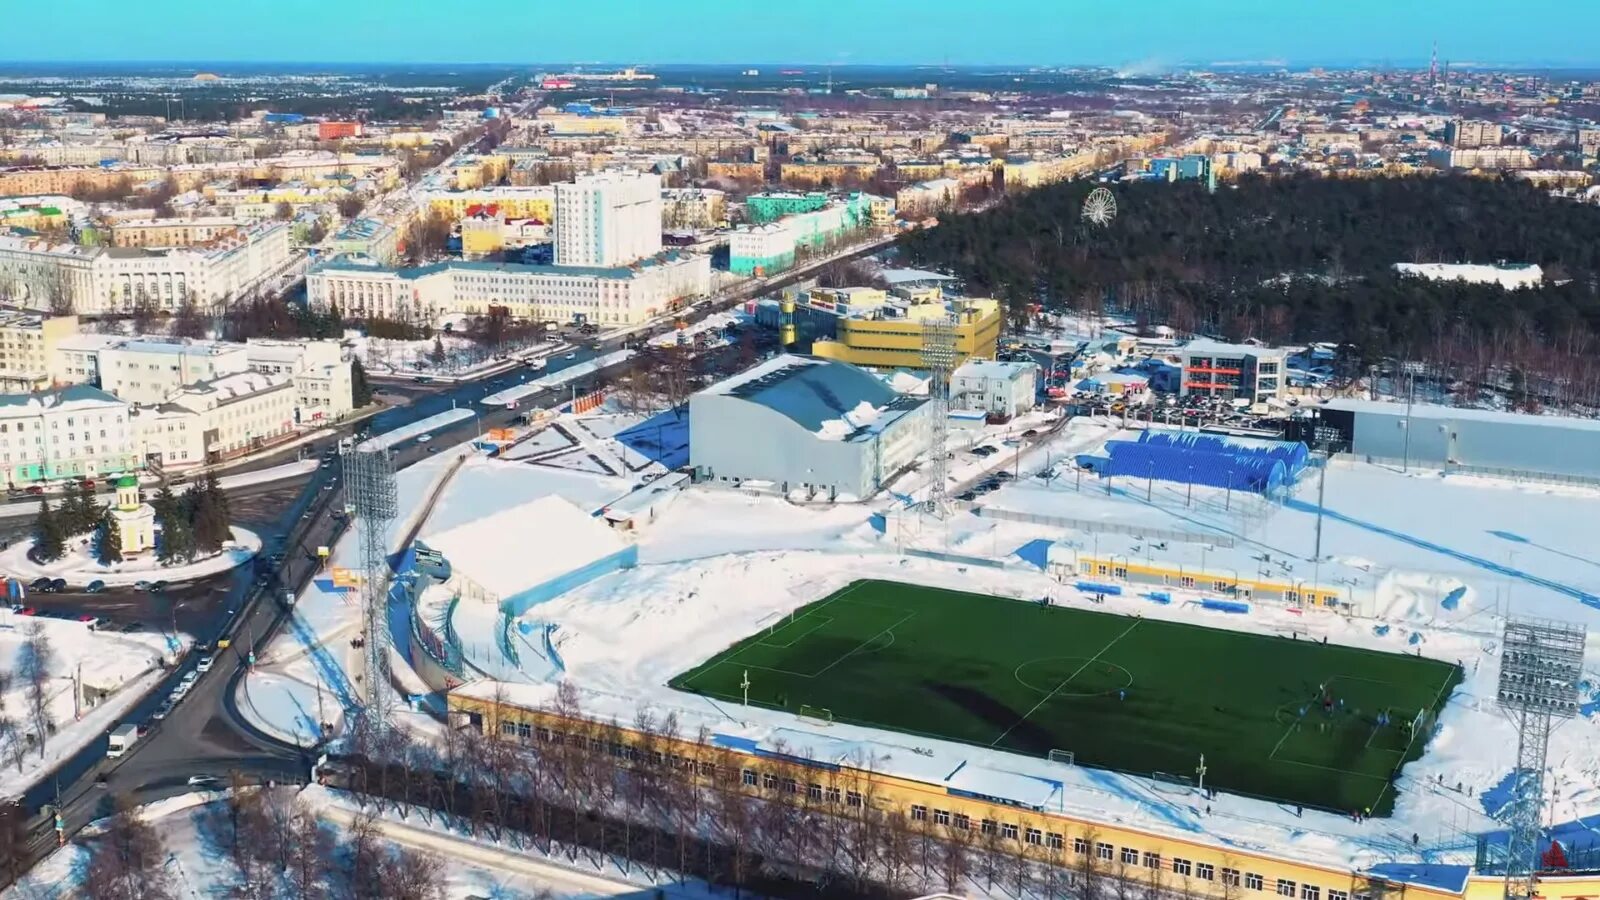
x=78 y=513
x=657 y=797
x=1302 y=258
x=276 y=846
x=193 y=525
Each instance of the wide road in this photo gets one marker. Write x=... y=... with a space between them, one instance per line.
x=205 y=734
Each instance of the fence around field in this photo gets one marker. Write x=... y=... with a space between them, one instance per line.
x=1215 y=538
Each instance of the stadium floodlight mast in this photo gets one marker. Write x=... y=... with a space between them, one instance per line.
x=369 y=475
x=939 y=356
x=1541 y=664
x=745 y=686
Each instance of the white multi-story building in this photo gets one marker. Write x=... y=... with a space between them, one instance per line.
x=1232 y=371
x=73 y=432
x=604 y=296
x=322 y=376
x=998 y=388
x=608 y=219
x=216 y=420
x=39 y=275
x=152 y=371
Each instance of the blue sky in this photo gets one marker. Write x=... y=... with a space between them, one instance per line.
x=1050 y=32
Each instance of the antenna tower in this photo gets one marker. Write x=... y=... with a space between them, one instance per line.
x=939 y=356
x=370 y=477
x=1541 y=663
x=1433 y=65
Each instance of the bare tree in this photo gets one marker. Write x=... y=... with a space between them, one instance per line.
x=33 y=667
x=364 y=856
x=310 y=856
x=409 y=875
x=127 y=862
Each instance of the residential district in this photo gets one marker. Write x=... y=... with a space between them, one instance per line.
x=674 y=518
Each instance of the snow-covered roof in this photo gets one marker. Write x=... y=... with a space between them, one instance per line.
x=1439 y=412
x=77 y=396
x=832 y=399
x=994 y=370
x=518 y=548
x=1206 y=345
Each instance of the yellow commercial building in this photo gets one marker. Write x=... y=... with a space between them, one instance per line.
x=536 y=202
x=883 y=339
x=28 y=347
x=482 y=234
x=925 y=789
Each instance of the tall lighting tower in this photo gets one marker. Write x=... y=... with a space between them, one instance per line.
x=939 y=357
x=1541 y=663
x=369 y=476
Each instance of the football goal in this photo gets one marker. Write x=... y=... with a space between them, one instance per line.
x=1064 y=757
x=817 y=715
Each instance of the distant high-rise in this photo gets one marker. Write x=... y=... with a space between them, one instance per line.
x=608 y=219
x=1467 y=134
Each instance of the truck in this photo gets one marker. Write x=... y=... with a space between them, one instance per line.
x=122 y=737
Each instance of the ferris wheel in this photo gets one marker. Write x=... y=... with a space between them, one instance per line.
x=1100 y=207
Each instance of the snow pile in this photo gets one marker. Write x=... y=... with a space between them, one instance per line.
x=863 y=415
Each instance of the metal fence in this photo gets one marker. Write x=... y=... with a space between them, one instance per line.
x=1451 y=468
x=1096 y=525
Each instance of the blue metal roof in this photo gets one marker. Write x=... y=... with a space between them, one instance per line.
x=812 y=391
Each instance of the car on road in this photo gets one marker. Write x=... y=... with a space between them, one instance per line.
x=205 y=664
x=204 y=781
x=95 y=587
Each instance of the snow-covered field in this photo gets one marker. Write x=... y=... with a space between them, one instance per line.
x=192 y=829
x=719 y=564
x=114 y=670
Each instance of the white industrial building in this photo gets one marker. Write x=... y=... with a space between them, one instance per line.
x=799 y=423
x=606 y=296
x=608 y=219
x=1002 y=389
x=151 y=371
x=38 y=274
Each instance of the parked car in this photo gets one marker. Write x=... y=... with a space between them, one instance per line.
x=205 y=664
x=141 y=586
x=96 y=586
x=204 y=781
x=57 y=585
x=40 y=584
x=158 y=586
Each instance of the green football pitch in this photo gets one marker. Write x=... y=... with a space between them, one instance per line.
x=1295 y=721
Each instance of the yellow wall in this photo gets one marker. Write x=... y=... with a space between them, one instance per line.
x=894 y=794
x=897 y=343
x=1177 y=575
x=481 y=237
x=520 y=204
